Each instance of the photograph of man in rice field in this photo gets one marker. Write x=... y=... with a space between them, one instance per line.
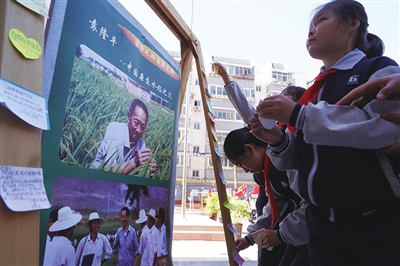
x=113 y=124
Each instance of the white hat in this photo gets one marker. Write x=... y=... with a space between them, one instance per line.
x=66 y=219
x=94 y=216
x=142 y=217
x=151 y=213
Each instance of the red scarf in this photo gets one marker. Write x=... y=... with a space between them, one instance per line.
x=268 y=189
x=311 y=94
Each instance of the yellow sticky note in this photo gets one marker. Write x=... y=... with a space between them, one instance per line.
x=28 y=47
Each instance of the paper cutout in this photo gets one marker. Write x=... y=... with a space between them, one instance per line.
x=28 y=47
x=210 y=109
x=27 y=105
x=222 y=177
x=22 y=188
x=258 y=239
x=204 y=72
x=239 y=260
x=208 y=94
x=212 y=118
x=214 y=134
x=230 y=206
x=257 y=236
x=233 y=230
x=38 y=6
x=217 y=151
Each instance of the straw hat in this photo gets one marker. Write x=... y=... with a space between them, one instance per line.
x=151 y=213
x=94 y=216
x=142 y=217
x=66 y=219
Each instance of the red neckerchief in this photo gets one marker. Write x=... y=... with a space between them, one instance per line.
x=268 y=189
x=311 y=94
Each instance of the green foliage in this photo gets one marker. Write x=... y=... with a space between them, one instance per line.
x=212 y=204
x=241 y=211
x=94 y=101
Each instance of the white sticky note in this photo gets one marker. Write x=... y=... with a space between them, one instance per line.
x=38 y=6
x=27 y=105
x=22 y=188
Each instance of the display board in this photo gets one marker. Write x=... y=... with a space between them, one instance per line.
x=114 y=96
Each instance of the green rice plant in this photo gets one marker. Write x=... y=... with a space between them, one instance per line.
x=94 y=101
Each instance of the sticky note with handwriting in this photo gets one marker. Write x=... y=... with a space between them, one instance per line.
x=27 y=105
x=22 y=188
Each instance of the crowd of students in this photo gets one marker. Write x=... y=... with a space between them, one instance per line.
x=337 y=146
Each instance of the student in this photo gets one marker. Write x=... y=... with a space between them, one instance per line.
x=381 y=88
x=286 y=200
x=125 y=247
x=90 y=249
x=123 y=146
x=243 y=149
x=60 y=250
x=354 y=214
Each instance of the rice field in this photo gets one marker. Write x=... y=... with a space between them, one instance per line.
x=95 y=100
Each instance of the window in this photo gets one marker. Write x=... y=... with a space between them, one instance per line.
x=217 y=90
x=197 y=103
x=225 y=114
x=209 y=161
x=249 y=93
x=258 y=88
x=196 y=126
x=225 y=162
x=196 y=149
x=182 y=136
x=196 y=82
x=183 y=111
x=279 y=76
x=221 y=136
x=195 y=173
x=179 y=160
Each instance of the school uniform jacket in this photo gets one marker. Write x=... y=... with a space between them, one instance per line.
x=334 y=148
x=292 y=229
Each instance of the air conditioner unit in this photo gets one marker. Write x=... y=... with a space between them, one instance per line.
x=196 y=108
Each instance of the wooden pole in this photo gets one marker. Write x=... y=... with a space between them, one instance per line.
x=181 y=30
x=20 y=143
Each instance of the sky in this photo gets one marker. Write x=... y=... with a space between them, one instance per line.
x=262 y=31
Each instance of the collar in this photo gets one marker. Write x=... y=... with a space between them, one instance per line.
x=348 y=61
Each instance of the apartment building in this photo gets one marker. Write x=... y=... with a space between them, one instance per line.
x=256 y=84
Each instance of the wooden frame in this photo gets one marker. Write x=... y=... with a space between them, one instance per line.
x=190 y=47
x=19 y=231
x=20 y=142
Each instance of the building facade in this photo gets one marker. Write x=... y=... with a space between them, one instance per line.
x=256 y=84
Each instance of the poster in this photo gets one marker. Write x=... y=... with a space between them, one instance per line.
x=113 y=106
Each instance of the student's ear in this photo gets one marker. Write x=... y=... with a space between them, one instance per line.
x=128 y=114
x=353 y=25
x=248 y=150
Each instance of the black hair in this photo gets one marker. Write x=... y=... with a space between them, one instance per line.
x=349 y=10
x=54 y=215
x=137 y=102
x=295 y=91
x=235 y=141
x=127 y=211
